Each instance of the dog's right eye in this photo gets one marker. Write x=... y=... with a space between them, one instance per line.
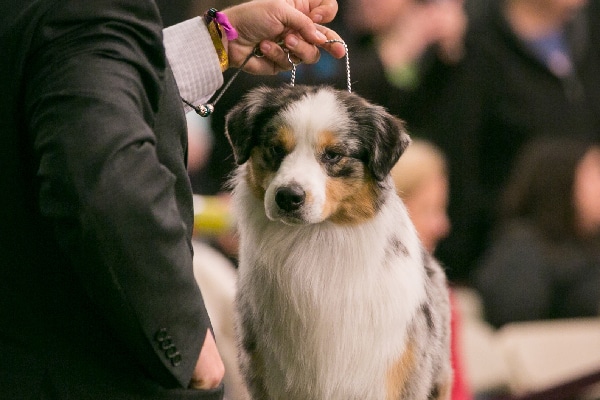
x=276 y=152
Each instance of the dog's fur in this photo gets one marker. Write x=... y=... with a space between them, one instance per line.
x=337 y=300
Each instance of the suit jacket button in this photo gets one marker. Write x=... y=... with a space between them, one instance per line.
x=161 y=335
x=167 y=343
x=171 y=351
x=176 y=359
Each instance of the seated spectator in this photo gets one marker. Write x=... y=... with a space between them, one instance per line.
x=544 y=261
x=421 y=181
x=531 y=68
x=402 y=52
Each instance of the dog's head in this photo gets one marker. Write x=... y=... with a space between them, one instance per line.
x=315 y=153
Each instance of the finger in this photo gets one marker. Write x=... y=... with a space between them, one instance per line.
x=336 y=49
x=306 y=29
x=273 y=61
x=323 y=11
x=277 y=55
x=302 y=51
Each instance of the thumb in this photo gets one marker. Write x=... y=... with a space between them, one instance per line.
x=324 y=12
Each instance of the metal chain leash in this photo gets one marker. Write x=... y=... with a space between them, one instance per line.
x=294 y=65
x=204 y=110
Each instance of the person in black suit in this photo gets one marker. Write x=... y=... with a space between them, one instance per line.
x=97 y=294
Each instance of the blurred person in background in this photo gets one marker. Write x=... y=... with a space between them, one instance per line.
x=408 y=41
x=402 y=53
x=531 y=68
x=544 y=260
x=421 y=180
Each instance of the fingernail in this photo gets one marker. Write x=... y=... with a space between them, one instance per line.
x=321 y=36
x=317 y=18
x=292 y=41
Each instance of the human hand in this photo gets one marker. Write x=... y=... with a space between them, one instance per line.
x=450 y=21
x=209 y=370
x=270 y=22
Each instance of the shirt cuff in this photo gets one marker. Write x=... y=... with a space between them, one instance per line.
x=194 y=60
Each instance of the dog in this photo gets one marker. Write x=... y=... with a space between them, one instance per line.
x=336 y=298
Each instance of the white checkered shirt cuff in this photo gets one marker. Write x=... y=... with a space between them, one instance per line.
x=194 y=60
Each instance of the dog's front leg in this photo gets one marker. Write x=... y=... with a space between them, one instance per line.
x=251 y=362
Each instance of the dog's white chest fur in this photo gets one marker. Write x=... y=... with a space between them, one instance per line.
x=330 y=303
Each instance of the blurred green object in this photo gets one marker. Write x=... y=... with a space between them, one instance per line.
x=212 y=216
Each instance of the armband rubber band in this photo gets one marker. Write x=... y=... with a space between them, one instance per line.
x=220 y=19
x=215 y=21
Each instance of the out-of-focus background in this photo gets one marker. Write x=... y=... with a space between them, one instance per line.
x=502 y=100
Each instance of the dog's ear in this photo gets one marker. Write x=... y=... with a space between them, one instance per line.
x=389 y=141
x=241 y=123
x=238 y=129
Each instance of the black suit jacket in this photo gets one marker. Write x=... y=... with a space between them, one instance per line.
x=97 y=294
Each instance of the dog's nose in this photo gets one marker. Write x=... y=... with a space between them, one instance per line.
x=290 y=198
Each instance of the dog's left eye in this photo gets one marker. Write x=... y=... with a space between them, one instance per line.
x=331 y=157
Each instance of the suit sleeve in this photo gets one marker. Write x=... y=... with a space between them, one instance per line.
x=95 y=79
